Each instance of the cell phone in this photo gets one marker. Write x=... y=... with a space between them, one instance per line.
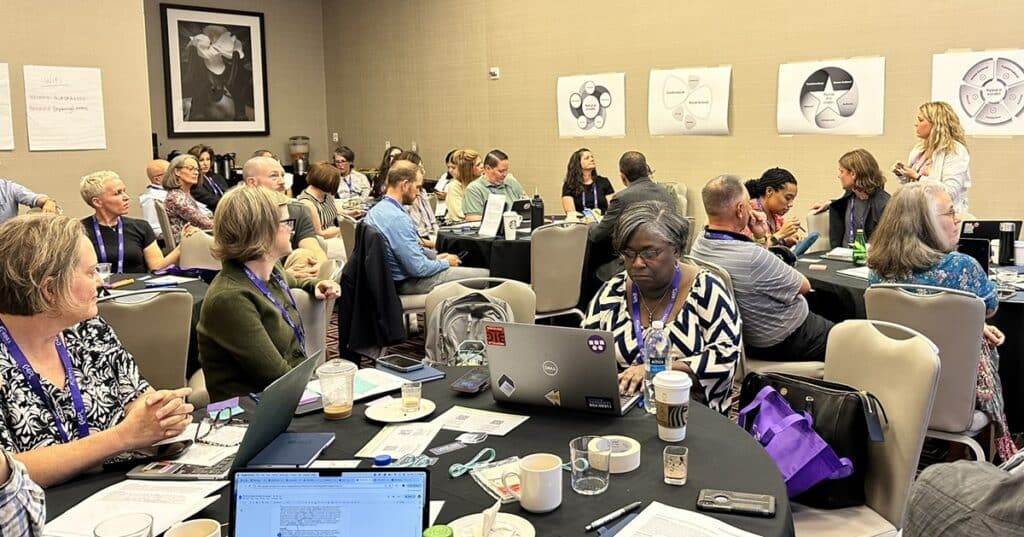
x=400 y=363
x=474 y=381
x=162 y=452
x=738 y=503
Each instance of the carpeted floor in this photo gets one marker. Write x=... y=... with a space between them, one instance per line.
x=412 y=347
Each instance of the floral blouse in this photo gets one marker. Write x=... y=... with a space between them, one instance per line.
x=184 y=209
x=955 y=271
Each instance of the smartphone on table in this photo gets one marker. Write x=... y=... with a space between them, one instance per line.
x=400 y=363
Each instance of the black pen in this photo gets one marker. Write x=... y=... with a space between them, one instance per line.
x=611 y=516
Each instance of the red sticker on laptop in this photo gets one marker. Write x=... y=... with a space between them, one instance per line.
x=495 y=336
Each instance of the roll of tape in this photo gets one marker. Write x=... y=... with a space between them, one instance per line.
x=625 y=453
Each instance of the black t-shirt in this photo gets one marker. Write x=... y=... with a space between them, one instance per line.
x=601 y=188
x=137 y=236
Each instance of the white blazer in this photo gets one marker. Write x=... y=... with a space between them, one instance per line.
x=951 y=170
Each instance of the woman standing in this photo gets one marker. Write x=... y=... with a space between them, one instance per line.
x=583 y=188
x=182 y=209
x=941 y=154
x=468 y=166
x=773 y=194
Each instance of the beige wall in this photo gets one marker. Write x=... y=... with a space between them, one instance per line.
x=74 y=33
x=417 y=71
x=295 y=79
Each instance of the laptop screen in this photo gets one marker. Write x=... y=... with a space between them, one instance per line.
x=330 y=502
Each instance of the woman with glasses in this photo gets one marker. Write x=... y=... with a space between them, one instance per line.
x=182 y=209
x=695 y=307
x=73 y=397
x=249 y=328
x=916 y=243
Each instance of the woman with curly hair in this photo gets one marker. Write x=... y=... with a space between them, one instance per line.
x=941 y=154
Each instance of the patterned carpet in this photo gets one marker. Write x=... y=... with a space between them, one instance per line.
x=412 y=347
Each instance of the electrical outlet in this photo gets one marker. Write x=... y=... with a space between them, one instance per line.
x=494 y=73
x=387 y=144
x=415 y=147
x=334 y=137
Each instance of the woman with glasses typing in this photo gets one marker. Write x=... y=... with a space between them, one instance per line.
x=72 y=396
x=249 y=328
x=695 y=307
x=916 y=243
x=182 y=209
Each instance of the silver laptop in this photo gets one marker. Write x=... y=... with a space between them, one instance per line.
x=271 y=418
x=555 y=367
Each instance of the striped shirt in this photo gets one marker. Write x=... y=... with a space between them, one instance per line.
x=767 y=290
x=22 y=503
x=326 y=210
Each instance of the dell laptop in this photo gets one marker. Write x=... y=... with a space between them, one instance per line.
x=555 y=367
x=987 y=229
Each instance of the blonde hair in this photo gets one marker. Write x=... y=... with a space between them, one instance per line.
x=909 y=238
x=946 y=129
x=465 y=161
x=868 y=177
x=94 y=184
x=246 y=223
x=170 y=179
x=38 y=259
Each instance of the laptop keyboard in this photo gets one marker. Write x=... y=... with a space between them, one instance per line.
x=221 y=468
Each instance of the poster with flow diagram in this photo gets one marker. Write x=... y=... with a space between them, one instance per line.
x=832 y=97
x=689 y=101
x=985 y=88
x=592 y=105
x=6 y=123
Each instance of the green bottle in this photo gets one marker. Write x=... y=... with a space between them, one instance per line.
x=860 y=248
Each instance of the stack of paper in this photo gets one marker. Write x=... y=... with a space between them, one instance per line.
x=839 y=254
x=660 y=519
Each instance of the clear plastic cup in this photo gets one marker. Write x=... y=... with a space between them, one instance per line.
x=337 y=387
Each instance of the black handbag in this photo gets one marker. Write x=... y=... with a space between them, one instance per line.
x=843 y=416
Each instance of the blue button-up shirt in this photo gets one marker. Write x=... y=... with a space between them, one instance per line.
x=12 y=194
x=405 y=256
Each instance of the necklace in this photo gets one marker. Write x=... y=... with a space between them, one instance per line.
x=650 y=309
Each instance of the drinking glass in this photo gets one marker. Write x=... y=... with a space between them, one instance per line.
x=675 y=462
x=589 y=457
x=412 y=393
x=103 y=269
x=125 y=525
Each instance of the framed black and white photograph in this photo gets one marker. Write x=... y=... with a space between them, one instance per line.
x=215 y=71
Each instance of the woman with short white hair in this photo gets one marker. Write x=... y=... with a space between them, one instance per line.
x=128 y=244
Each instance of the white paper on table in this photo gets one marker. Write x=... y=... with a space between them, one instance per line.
x=435 y=509
x=166 y=501
x=856 y=272
x=6 y=121
x=492 y=215
x=170 y=279
x=400 y=440
x=188 y=434
x=64 y=108
x=200 y=454
x=839 y=254
x=321 y=463
x=660 y=519
x=472 y=420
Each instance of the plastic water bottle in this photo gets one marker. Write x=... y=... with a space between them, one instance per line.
x=860 y=248
x=656 y=360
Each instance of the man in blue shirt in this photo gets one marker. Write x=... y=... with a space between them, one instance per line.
x=12 y=194
x=413 y=271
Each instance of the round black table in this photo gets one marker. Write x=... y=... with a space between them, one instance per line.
x=504 y=258
x=722 y=456
x=838 y=298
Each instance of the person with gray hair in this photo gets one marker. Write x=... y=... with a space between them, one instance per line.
x=635 y=174
x=180 y=179
x=695 y=306
x=777 y=324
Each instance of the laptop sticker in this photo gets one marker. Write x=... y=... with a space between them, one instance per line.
x=495 y=336
x=506 y=385
x=549 y=368
x=554 y=397
x=599 y=403
x=597 y=344
x=969 y=227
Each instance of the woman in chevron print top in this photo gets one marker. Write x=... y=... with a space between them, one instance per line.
x=703 y=323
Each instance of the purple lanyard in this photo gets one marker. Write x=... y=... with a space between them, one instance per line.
x=853 y=230
x=348 y=182
x=213 y=184
x=583 y=196
x=300 y=335
x=714 y=235
x=103 y=249
x=637 y=329
x=395 y=203
x=33 y=381
x=769 y=220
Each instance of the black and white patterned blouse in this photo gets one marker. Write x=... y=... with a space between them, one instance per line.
x=705 y=335
x=107 y=377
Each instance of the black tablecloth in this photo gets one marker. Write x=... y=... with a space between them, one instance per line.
x=722 y=456
x=839 y=297
x=505 y=259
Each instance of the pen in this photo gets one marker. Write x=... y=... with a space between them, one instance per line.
x=255 y=397
x=610 y=517
x=152 y=284
x=122 y=283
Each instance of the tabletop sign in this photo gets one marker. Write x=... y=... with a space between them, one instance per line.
x=492 y=215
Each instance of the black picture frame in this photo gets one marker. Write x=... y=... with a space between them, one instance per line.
x=215 y=72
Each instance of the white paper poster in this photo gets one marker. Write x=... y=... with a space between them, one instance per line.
x=64 y=107
x=592 y=105
x=689 y=101
x=6 y=124
x=985 y=88
x=832 y=97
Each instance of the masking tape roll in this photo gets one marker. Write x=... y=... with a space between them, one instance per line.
x=625 y=454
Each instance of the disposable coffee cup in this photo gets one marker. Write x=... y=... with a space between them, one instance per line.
x=512 y=221
x=672 y=403
x=1018 y=253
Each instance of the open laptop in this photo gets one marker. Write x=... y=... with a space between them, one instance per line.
x=987 y=229
x=358 y=501
x=271 y=418
x=554 y=366
x=979 y=249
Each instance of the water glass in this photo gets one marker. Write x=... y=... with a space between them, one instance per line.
x=103 y=269
x=675 y=462
x=125 y=525
x=412 y=393
x=589 y=458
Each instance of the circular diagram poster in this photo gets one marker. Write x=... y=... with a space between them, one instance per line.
x=689 y=101
x=591 y=105
x=985 y=88
x=832 y=97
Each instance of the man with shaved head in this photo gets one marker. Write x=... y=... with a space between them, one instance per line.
x=154 y=192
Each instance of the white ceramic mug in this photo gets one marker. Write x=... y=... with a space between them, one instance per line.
x=540 y=482
x=512 y=221
x=201 y=527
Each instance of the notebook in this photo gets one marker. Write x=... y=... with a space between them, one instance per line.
x=330 y=501
x=292 y=450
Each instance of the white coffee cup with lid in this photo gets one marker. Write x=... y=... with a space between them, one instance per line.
x=672 y=402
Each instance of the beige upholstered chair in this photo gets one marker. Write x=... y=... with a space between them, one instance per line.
x=347 y=224
x=195 y=252
x=165 y=225
x=521 y=299
x=153 y=325
x=679 y=189
x=953 y=320
x=804 y=369
x=316 y=314
x=557 y=252
x=691 y=224
x=903 y=373
x=819 y=222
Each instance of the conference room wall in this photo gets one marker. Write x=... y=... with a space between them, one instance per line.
x=295 y=79
x=79 y=34
x=417 y=71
